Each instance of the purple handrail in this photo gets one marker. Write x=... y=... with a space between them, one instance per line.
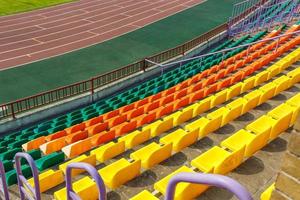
x=71 y=195
x=23 y=181
x=208 y=179
x=3 y=185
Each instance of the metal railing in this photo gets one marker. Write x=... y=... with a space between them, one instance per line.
x=13 y=108
x=275 y=38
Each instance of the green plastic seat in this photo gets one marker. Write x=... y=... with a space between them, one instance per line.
x=17 y=144
x=9 y=154
x=35 y=154
x=11 y=176
x=8 y=165
x=119 y=105
x=37 y=135
x=57 y=128
x=74 y=122
x=105 y=110
x=50 y=160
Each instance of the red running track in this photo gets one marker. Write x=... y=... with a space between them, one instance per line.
x=52 y=31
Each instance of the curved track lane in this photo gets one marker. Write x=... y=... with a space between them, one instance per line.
x=52 y=31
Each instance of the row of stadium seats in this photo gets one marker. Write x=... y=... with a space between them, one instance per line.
x=79 y=147
x=124 y=98
x=112 y=174
x=125 y=163
x=222 y=160
x=126 y=123
x=77 y=142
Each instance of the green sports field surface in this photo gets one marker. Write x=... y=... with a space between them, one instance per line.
x=15 y=6
x=79 y=65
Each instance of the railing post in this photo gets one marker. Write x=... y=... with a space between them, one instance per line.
x=12 y=110
x=92 y=86
x=144 y=65
x=183 y=49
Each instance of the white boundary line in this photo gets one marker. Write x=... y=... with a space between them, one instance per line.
x=91 y=30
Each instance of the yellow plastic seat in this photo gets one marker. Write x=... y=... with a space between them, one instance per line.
x=235 y=110
x=180 y=139
x=183 y=116
x=152 y=154
x=219 y=161
x=120 y=172
x=248 y=84
x=85 y=188
x=49 y=179
x=260 y=126
x=273 y=70
x=203 y=106
x=219 y=97
x=253 y=142
x=184 y=191
x=252 y=100
x=135 y=138
x=208 y=160
x=191 y=107
x=282 y=83
x=83 y=158
x=214 y=122
x=144 y=195
x=162 y=127
x=261 y=77
x=196 y=125
x=266 y=195
x=268 y=91
x=109 y=151
x=159 y=126
x=283 y=115
x=294 y=76
x=152 y=126
x=234 y=90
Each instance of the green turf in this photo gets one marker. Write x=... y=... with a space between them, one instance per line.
x=82 y=64
x=15 y=6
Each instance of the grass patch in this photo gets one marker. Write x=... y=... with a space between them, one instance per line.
x=8 y=7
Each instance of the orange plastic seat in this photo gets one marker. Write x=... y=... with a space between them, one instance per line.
x=180 y=103
x=75 y=128
x=167 y=99
x=196 y=87
x=77 y=148
x=155 y=97
x=165 y=110
x=80 y=135
x=111 y=114
x=134 y=113
x=169 y=91
x=152 y=106
x=97 y=128
x=220 y=74
x=126 y=128
x=117 y=120
x=34 y=144
x=56 y=135
x=145 y=119
x=180 y=94
x=103 y=137
x=141 y=102
x=224 y=83
x=53 y=146
x=197 y=95
x=211 y=89
x=127 y=108
x=93 y=121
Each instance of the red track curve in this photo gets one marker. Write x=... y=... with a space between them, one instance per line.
x=48 y=32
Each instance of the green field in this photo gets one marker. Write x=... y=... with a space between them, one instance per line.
x=15 y=6
x=79 y=65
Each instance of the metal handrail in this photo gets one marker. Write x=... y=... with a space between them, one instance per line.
x=224 y=50
x=71 y=195
x=3 y=185
x=208 y=179
x=23 y=181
